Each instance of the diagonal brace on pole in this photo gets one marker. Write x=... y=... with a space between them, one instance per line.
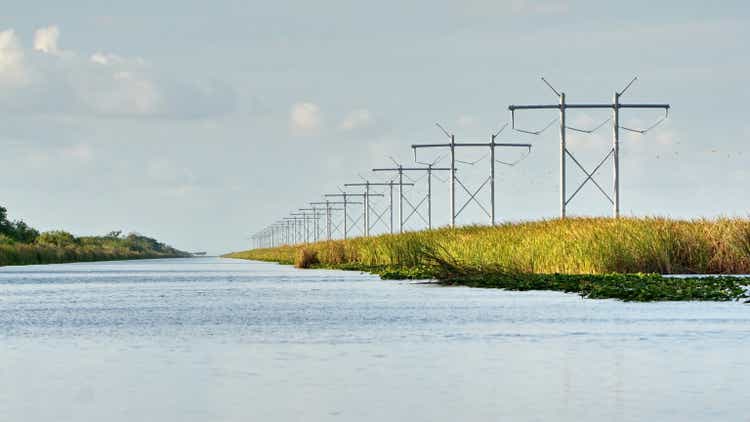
x=590 y=176
x=615 y=106
x=472 y=196
x=415 y=210
x=453 y=180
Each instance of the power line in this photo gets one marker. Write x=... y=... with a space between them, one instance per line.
x=454 y=180
x=615 y=106
x=367 y=185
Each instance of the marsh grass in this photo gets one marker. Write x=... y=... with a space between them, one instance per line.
x=85 y=249
x=620 y=258
x=569 y=246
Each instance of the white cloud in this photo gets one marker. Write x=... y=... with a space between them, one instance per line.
x=52 y=81
x=305 y=118
x=111 y=59
x=45 y=39
x=105 y=58
x=357 y=120
x=12 y=70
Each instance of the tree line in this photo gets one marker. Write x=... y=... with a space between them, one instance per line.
x=22 y=244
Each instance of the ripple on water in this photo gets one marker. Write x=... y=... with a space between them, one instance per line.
x=218 y=339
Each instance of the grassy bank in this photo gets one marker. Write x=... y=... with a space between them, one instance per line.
x=82 y=249
x=21 y=244
x=596 y=257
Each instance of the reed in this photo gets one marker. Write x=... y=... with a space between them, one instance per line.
x=569 y=246
x=574 y=246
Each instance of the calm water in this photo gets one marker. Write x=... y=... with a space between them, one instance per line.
x=225 y=340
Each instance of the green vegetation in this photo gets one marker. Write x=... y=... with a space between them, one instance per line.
x=595 y=257
x=628 y=287
x=23 y=245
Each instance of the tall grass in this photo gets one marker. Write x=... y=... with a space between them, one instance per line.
x=569 y=246
x=85 y=249
x=32 y=254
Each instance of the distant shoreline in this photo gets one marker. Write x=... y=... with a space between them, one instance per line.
x=21 y=244
x=23 y=254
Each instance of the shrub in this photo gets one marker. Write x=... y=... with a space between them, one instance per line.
x=306 y=258
x=57 y=238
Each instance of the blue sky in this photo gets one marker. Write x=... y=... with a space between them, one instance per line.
x=200 y=122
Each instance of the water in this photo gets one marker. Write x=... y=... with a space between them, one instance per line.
x=211 y=339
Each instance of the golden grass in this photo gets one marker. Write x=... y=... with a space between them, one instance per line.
x=569 y=246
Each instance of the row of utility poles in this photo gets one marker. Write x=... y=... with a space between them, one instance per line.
x=319 y=222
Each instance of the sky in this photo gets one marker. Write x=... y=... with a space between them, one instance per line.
x=199 y=123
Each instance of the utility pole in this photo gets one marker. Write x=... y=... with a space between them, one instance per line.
x=307 y=218
x=401 y=170
x=565 y=153
x=329 y=215
x=328 y=210
x=316 y=221
x=292 y=228
x=346 y=204
x=454 y=180
x=265 y=237
x=400 y=184
x=303 y=224
x=365 y=211
x=277 y=229
x=390 y=184
x=300 y=221
x=269 y=237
